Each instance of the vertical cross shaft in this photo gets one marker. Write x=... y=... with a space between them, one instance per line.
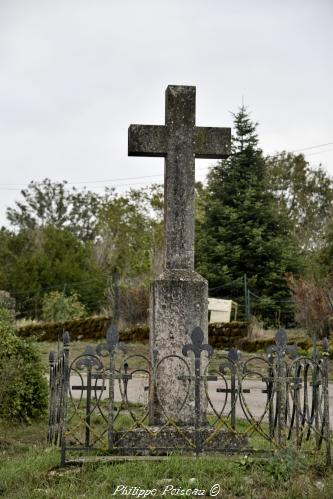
x=179 y=178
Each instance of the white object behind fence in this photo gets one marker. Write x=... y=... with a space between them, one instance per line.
x=221 y=310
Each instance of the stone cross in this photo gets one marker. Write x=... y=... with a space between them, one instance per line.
x=179 y=296
x=180 y=141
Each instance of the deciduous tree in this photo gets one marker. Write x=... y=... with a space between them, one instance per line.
x=54 y=203
x=305 y=195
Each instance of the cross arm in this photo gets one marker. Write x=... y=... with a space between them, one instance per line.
x=147 y=140
x=212 y=142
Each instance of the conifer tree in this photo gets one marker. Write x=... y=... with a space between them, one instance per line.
x=242 y=232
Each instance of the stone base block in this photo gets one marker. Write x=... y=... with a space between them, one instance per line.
x=159 y=441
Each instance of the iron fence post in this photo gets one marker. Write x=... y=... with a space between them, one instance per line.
x=235 y=366
x=112 y=342
x=197 y=382
x=111 y=399
x=233 y=399
x=270 y=395
x=315 y=385
x=51 y=398
x=197 y=347
x=326 y=403
x=88 y=406
x=63 y=414
x=297 y=403
x=281 y=385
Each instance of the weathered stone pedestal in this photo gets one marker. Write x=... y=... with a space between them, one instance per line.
x=178 y=304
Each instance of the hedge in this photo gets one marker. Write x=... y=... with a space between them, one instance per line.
x=227 y=334
x=79 y=329
x=220 y=335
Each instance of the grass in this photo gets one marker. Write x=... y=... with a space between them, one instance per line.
x=29 y=469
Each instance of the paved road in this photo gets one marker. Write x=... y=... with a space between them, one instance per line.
x=256 y=400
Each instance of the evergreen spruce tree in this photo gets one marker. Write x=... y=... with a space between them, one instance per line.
x=242 y=232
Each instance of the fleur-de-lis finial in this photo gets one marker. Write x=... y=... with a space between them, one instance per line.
x=66 y=339
x=281 y=346
x=233 y=358
x=52 y=357
x=197 y=346
x=112 y=342
x=234 y=355
x=281 y=339
x=88 y=360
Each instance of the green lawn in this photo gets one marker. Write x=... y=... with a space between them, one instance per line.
x=29 y=469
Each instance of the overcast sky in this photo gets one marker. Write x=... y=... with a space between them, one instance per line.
x=75 y=74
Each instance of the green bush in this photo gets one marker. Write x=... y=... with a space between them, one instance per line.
x=59 y=307
x=23 y=388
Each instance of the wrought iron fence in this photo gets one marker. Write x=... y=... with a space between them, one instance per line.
x=101 y=401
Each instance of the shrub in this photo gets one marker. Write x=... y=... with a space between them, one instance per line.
x=133 y=306
x=314 y=305
x=256 y=327
x=23 y=388
x=128 y=303
x=59 y=307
